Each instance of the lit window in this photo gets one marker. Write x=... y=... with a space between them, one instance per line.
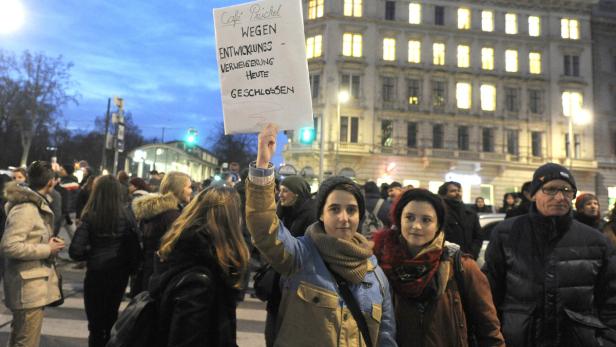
x=534 y=62
x=464 y=18
x=464 y=53
x=352 y=8
x=488 y=97
x=534 y=26
x=351 y=45
x=569 y=29
x=313 y=46
x=487 y=58
x=511 y=60
x=572 y=103
x=414 y=13
x=389 y=49
x=414 y=52
x=438 y=51
x=463 y=95
x=511 y=23
x=487 y=20
x=315 y=9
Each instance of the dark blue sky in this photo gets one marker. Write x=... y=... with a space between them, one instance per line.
x=159 y=55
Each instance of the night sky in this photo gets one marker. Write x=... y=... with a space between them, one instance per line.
x=158 y=55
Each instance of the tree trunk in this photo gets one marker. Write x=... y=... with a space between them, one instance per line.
x=26 y=142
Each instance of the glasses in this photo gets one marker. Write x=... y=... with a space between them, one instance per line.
x=552 y=191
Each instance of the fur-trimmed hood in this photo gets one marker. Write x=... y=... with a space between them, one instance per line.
x=148 y=206
x=18 y=194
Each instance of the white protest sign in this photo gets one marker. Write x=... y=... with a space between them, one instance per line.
x=262 y=65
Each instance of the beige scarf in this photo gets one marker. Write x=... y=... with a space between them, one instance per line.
x=349 y=259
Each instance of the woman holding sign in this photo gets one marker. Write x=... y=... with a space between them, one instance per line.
x=334 y=293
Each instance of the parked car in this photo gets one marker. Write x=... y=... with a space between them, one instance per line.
x=487 y=221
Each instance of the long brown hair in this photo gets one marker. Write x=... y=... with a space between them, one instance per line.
x=174 y=182
x=105 y=205
x=216 y=212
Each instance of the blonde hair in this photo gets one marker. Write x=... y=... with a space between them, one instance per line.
x=216 y=212
x=174 y=182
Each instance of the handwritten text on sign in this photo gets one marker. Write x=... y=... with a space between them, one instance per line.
x=262 y=66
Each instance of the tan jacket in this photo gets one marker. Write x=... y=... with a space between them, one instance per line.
x=310 y=312
x=30 y=279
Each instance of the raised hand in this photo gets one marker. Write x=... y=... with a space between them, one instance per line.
x=267 y=145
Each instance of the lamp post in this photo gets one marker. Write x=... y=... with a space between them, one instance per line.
x=580 y=117
x=342 y=97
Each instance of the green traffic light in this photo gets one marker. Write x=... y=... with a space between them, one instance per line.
x=306 y=135
x=190 y=139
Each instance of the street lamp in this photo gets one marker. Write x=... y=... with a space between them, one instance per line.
x=580 y=117
x=343 y=97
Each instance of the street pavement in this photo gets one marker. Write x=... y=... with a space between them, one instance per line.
x=67 y=325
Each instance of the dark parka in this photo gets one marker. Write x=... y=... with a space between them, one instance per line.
x=537 y=266
x=109 y=251
x=155 y=214
x=462 y=227
x=199 y=308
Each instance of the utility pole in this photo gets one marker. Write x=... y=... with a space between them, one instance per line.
x=106 y=144
x=118 y=119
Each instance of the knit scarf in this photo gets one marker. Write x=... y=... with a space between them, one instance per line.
x=348 y=259
x=408 y=275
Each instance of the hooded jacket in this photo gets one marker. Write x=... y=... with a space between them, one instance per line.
x=155 y=214
x=197 y=301
x=539 y=266
x=30 y=279
x=462 y=227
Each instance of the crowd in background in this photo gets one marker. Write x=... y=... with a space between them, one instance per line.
x=347 y=265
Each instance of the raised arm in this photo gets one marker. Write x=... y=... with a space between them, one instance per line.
x=283 y=251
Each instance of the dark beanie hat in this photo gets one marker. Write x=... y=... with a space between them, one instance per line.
x=139 y=183
x=418 y=194
x=583 y=199
x=297 y=185
x=335 y=183
x=549 y=172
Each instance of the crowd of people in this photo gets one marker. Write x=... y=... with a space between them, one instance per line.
x=349 y=265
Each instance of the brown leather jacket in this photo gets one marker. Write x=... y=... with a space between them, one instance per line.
x=444 y=320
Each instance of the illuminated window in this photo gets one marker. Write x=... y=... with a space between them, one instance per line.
x=464 y=56
x=569 y=28
x=414 y=13
x=487 y=58
x=351 y=45
x=352 y=8
x=488 y=97
x=534 y=26
x=511 y=23
x=572 y=103
x=389 y=49
x=487 y=20
x=414 y=52
x=534 y=62
x=511 y=60
x=315 y=9
x=438 y=52
x=463 y=95
x=464 y=18
x=313 y=46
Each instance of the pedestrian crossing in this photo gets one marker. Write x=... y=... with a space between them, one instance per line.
x=67 y=325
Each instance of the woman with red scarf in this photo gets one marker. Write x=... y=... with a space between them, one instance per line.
x=430 y=309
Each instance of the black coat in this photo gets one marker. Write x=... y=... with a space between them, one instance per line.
x=537 y=266
x=68 y=189
x=199 y=307
x=299 y=217
x=519 y=210
x=110 y=250
x=462 y=227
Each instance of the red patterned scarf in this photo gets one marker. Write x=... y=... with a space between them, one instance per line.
x=408 y=275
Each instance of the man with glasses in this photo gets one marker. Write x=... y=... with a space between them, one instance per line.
x=553 y=279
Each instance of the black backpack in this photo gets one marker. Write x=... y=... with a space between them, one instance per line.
x=136 y=325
